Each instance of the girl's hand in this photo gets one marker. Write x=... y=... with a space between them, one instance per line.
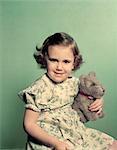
x=97 y=105
x=61 y=146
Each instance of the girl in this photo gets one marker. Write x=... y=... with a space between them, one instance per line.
x=49 y=120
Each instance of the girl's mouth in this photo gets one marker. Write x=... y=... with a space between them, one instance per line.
x=58 y=73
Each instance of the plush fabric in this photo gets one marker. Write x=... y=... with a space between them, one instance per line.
x=90 y=89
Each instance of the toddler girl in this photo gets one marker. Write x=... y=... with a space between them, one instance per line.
x=49 y=120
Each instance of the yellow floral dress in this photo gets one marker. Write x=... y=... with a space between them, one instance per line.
x=57 y=118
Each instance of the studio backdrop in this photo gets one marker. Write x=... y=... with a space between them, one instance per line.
x=23 y=24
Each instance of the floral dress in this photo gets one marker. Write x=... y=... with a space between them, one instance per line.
x=53 y=102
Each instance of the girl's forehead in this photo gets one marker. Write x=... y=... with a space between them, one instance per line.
x=60 y=52
x=60 y=49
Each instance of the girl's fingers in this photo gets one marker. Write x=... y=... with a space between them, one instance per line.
x=97 y=108
x=97 y=102
x=99 y=111
x=96 y=105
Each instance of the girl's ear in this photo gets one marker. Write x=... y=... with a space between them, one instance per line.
x=75 y=62
x=73 y=66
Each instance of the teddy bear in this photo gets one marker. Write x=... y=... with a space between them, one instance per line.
x=90 y=89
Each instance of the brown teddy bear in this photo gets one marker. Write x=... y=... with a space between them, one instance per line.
x=90 y=89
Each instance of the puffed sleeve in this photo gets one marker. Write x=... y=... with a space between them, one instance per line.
x=32 y=96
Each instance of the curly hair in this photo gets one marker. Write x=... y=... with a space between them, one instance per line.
x=60 y=38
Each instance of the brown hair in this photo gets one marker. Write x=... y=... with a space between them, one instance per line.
x=58 y=39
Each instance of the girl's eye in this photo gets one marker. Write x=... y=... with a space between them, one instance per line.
x=66 y=61
x=53 y=60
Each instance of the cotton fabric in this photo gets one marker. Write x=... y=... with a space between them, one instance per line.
x=53 y=103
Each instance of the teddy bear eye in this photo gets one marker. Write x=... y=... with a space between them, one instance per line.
x=93 y=84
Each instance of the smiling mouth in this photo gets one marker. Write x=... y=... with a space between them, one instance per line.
x=58 y=74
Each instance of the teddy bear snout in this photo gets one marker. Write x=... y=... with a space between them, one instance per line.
x=103 y=90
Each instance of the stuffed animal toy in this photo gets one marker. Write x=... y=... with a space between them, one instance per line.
x=90 y=89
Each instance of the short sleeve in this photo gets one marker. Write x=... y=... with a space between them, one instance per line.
x=29 y=99
x=37 y=96
x=32 y=96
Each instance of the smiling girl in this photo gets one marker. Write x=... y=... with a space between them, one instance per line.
x=49 y=120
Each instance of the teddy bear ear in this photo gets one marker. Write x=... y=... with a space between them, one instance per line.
x=81 y=77
x=92 y=74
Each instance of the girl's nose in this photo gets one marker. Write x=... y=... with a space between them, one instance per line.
x=59 y=65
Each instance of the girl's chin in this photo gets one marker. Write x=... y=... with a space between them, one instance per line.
x=57 y=78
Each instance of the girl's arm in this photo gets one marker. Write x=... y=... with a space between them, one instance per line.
x=31 y=127
x=97 y=105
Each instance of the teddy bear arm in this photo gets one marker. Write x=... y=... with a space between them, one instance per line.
x=82 y=116
x=76 y=106
x=83 y=106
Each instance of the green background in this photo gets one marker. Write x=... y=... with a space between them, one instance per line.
x=23 y=24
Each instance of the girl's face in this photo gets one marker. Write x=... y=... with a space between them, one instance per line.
x=60 y=62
